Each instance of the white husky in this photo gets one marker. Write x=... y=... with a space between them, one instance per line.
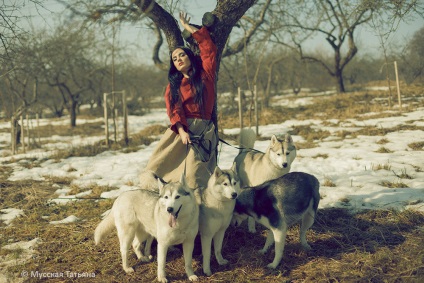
x=216 y=210
x=255 y=167
x=171 y=216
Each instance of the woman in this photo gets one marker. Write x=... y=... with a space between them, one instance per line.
x=189 y=145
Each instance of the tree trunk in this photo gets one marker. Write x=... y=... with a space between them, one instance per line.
x=227 y=13
x=339 y=81
x=338 y=71
x=73 y=113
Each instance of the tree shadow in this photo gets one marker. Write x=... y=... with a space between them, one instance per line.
x=336 y=232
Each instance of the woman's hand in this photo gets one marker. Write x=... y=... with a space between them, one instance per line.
x=185 y=137
x=185 y=22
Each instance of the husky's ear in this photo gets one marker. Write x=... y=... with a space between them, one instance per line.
x=217 y=172
x=273 y=139
x=183 y=180
x=160 y=185
x=234 y=167
x=288 y=138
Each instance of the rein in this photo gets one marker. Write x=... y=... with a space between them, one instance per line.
x=185 y=161
x=240 y=148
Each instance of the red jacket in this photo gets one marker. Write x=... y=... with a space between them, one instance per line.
x=188 y=108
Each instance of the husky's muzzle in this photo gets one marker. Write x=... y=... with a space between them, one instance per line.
x=173 y=216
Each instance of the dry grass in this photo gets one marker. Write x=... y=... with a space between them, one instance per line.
x=342 y=107
x=416 y=145
x=403 y=174
x=310 y=134
x=370 y=246
x=385 y=166
x=382 y=141
x=321 y=155
x=383 y=150
x=393 y=184
x=328 y=182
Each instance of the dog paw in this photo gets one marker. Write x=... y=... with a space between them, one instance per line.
x=222 y=261
x=162 y=279
x=252 y=230
x=146 y=258
x=207 y=272
x=193 y=278
x=272 y=265
x=306 y=247
x=129 y=269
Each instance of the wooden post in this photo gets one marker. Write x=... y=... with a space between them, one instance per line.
x=105 y=117
x=398 y=87
x=27 y=128
x=37 y=117
x=22 y=133
x=125 y=114
x=115 y=117
x=256 y=109
x=240 y=105
x=13 y=127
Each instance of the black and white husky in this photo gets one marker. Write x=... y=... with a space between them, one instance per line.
x=255 y=167
x=277 y=205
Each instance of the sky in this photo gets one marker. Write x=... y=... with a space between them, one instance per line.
x=366 y=38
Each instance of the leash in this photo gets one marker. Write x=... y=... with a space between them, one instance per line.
x=185 y=160
x=78 y=198
x=239 y=148
x=207 y=169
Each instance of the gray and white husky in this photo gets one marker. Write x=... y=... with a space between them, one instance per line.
x=171 y=216
x=277 y=205
x=255 y=167
x=216 y=211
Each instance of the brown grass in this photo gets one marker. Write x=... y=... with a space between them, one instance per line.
x=385 y=166
x=393 y=184
x=370 y=246
x=328 y=182
x=383 y=150
x=416 y=145
x=382 y=141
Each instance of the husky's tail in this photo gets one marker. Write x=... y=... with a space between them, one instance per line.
x=149 y=181
x=316 y=196
x=247 y=138
x=104 y=227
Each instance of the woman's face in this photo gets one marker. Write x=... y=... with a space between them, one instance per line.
x=181 y=60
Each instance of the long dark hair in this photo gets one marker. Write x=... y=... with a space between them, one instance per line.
x=175 y=77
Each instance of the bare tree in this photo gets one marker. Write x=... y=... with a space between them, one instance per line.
x=412 y=58
x=158 y=15
x=10 y=17
x=336 y=21
x=68 y=64
x=21 y=82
